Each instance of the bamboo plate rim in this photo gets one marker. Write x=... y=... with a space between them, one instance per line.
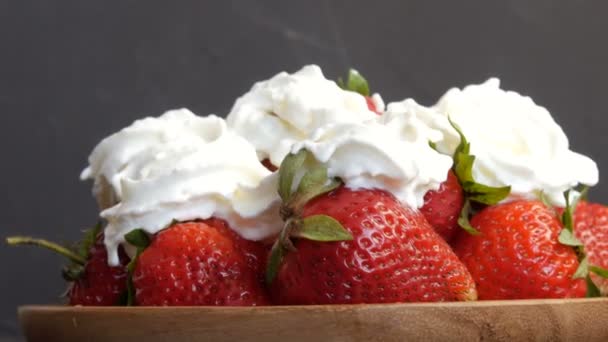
x=580 y=319
x=472 y=304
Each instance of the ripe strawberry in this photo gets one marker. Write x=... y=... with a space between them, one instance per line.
x=93 y=281
x=359 y=246
x=199 y=263
x=517 y=254
x=371 y=105
x=591 y=228
x=442 y=207
x=99 y=284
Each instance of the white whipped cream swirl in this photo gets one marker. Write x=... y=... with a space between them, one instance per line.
x=516 y=142
x=287 y=108
x=182 y=167
x=390 y=152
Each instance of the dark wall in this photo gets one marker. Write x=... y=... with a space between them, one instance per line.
x=71 y=72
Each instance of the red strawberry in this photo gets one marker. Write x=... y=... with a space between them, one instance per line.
x=395 y=256
x=517 y=254
x=93 y=281
x=199 y=263
x=371 y=105
x=591 y=228
x=100 y=284
x=442 y=207
x=357 y=246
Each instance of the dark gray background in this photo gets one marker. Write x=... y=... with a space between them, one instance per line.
x=71 y=72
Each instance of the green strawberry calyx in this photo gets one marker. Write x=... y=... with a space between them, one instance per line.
x=140 y=240
x=301 y=179
x=355 y=82
x=474 y=192
x=77 y=255
x=567 y=237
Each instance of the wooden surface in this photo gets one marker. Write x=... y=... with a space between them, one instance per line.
x=532 y=320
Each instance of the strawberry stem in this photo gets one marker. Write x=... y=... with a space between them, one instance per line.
x=26 y=240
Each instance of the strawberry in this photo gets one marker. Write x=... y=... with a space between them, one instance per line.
x=92 y=280
x=591 y=228
x=517 y=254
x=371 y=105
x=199 y=263
x=443 y=206
x=357 y=83
x=100 y=284
x=357 y=246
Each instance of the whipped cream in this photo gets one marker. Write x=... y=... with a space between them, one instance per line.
x=287 y=108
x=516 y=142
x=391 y=153
x=182 y=167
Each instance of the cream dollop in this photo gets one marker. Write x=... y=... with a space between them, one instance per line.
x=391 y=152
x=516 y=142
x=180 y=166
x=287 y=108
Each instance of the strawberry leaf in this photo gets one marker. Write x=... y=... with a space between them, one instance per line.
x=566 y=237
x=583 y=269
x=486 y=194
x=463 y=220
x=277 y=253
x=287 y=172
x=313 y=183
x=141 y=240
x=567 y=216
x=312 y=179
x=463 y=168
x=355 y=82
x=584 y=193
x=572 y=199
x=303 y=197
x=138 y=238
x=602 y=272
x=592 y=290
x=322 y=228
x=90 y=236
x=464 y=146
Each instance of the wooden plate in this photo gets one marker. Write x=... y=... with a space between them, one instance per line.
x=519 y=320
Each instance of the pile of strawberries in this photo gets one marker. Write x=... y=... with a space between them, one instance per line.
x=341 y=246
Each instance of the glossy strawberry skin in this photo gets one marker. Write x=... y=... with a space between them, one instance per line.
x=591 y=228
x=100 y=284
x=442 y=207
x=200 y=263
x=395 y=256
x=517 y=255
x=371 y=105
